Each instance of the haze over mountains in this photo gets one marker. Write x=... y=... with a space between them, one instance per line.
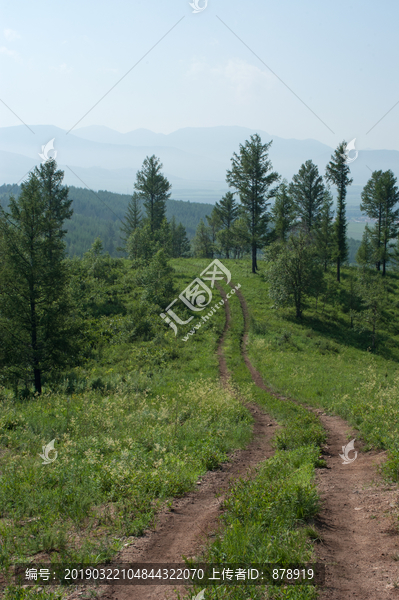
x=194 y=159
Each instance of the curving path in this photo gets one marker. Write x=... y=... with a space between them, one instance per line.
x=185 y=529
x=358 y=523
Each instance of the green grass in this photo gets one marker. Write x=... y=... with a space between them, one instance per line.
x=267 y=514
x=323 y=362
x=17 y=593
x=131 y=430
x=137 y=423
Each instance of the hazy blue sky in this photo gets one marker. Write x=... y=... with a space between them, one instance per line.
x=59 y=58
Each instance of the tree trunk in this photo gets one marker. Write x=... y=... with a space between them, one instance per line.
x=254 y=265
x=38 y=380
x=298 y=305
x=35 y=358
x=338 y=269
x=383 y=267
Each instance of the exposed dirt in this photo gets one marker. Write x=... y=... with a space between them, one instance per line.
x=256 y=376
x=358 y=523
x=185 y=529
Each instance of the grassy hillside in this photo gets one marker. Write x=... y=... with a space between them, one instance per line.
x=135 y=424
x=143 y=415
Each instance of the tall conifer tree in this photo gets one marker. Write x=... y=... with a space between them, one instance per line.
x=153 y=189
x=252 y=177
x=283 y=212
x=132 y=219
x=380 y=195
x=337 y=173
x=34 y=304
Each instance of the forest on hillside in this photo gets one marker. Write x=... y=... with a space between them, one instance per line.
x=99 y=214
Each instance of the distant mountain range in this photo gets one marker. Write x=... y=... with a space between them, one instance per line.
x=195 y=160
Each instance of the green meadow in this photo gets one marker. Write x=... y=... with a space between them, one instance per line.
x=138 y=422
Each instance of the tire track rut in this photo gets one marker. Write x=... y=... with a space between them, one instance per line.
x=184 y=529
x=358 y=522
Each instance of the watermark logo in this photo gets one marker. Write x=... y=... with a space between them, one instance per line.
x=346 y=449
x=200 y=596
x=349 y=148
x=196 y=7
x=198 y=295
x=46 y=450
x=46 y=149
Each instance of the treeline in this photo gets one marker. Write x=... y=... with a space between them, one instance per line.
x=253 y=224
x=100 y=214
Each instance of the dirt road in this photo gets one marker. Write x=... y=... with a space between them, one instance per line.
x=185 y=529
x=358 y=523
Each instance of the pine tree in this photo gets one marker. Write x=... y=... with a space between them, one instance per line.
x=202 y=243
x=57 y=204
x=179 y=243
x=241 y=241
x=183 y=243
x=283 y=212
x=337 y=173
x=307 y=193
x=227 y=211
x=366 y=252
x=140 y=244
x=252 y=177
x=34 y=304
x=132 y=219
x=324 y=230
x=214 y=225
x=380 y=195
x=153 y=189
